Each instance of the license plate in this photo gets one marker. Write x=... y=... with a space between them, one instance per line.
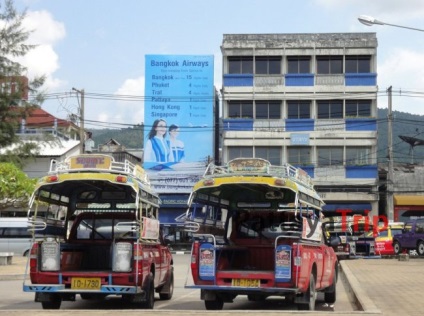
x=85 y=283
x=245 y=282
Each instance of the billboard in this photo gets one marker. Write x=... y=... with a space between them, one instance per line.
x=178 y=120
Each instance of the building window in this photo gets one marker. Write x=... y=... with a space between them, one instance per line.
x=268 y=65
x=330 y=156
x=240 y=65
x=330 y=109
x=272 y=154
x=358 y=108
x=240 y=109
x=298 y=109
x=298 y=64
x=240 y=152
x=268 y=109
x=299 y=155
x=329 y=65
x=358 y=155
x=358 y=64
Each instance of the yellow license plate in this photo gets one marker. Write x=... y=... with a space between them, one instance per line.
x=245 y=282
x=85 y=283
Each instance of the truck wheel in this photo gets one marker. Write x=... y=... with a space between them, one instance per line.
x=420 y=248
x=54 y=303
x=168 y=287
x=330 y=294
x=397 y=248
x=150 y=293
x=310 y=295
x=216 y=304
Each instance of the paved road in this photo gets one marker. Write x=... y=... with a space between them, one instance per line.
x=380 y=286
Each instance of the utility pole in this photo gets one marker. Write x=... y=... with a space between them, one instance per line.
x=389 y=186
x=81 y=117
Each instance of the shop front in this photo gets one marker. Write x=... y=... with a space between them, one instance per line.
x=408 y=207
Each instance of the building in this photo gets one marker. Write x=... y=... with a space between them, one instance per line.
x=408 y=194
x=309 y=100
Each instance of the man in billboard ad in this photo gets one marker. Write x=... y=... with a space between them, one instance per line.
x=178 y=119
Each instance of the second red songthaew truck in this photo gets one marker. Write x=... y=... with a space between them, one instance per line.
x=259 y=234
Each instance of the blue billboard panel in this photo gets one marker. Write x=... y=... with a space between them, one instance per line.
x=178 y=119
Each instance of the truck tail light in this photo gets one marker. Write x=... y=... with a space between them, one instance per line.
x=138 y=257
x=122 y=254
x=50 y=255
x=194 y=259
x=33 y=257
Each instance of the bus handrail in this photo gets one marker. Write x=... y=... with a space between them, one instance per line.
x=36 y=225
x=191 y=227
x=207 y=236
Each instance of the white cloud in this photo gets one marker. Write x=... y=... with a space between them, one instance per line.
x=404 y=70
x=129 y=107
x=43 y=60
x=44 y=28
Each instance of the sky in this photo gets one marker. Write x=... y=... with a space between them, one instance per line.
x=99 y=46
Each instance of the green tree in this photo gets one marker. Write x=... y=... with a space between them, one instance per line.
x=15 y=186
x=13 y=83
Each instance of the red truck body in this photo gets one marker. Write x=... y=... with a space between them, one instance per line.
x=253 y=240
x=99 y=236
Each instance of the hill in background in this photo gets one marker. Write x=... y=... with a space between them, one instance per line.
x=405 y=124
x=131 y=137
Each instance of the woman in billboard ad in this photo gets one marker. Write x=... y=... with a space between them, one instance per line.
x=157 y=147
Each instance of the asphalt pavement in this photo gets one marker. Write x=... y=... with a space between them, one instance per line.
x=378 y=286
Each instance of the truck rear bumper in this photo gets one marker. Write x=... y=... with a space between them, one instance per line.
x=242 y=290
x=60 y=288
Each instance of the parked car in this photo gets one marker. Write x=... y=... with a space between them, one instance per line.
x=14 y=235
x=411 y=238
x=384 y=238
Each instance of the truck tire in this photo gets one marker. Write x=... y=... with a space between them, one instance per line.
x=54 y=303
x=150 y=293
x=397 y=248
x=168 y=288
x=310 y=296
x=330 y=293
x=216 y=304
x=420 y=248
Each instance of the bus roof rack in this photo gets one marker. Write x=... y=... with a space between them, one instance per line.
x=259 y=167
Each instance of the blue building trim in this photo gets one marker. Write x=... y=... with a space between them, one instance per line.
x=299 y=125
x=238 y=80
x=361 y=79
x=299 y=80
x=361 y=124
x=369 y=171
x=237 y=124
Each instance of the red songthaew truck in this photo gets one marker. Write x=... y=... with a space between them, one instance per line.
x=99 y=236
x=259 y=233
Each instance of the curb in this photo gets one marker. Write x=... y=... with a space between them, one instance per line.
x=358 y=295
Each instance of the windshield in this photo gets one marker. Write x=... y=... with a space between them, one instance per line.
x=104 y=228
x=266 y=225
